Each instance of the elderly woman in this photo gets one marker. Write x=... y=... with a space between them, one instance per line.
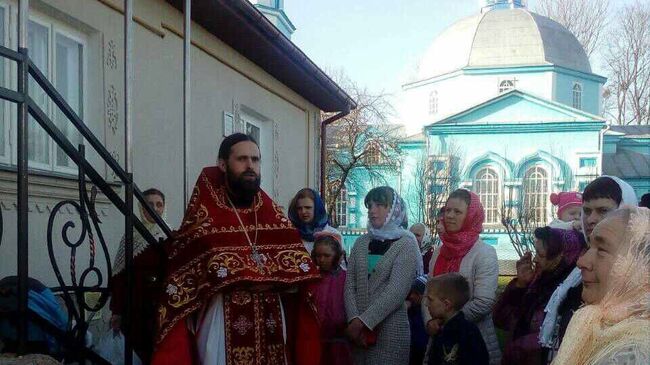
x=614 y=325
x=463 y=251
x=520 y=309
x=307 y=213
x=382 y=266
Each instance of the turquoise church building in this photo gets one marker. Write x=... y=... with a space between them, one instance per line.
x=507 y=99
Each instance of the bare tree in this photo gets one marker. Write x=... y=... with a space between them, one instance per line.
x=436 y=175
x=586 y=19
x=363 y=141
x=627 y=57
x=520 y=219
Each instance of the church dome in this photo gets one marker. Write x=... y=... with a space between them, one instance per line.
x=503 y=38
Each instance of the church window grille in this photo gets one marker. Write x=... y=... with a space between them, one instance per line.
x=506 y=85
x=433 y=103
x=486 y=186
x=342 y=207
x=373 y=154
x=577 y=96
x=535 y=194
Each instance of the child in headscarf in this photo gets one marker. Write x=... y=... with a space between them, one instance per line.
x=520 y=309
x=614 y=325
x=307 y=213
x=381 y=268
x=328 y=296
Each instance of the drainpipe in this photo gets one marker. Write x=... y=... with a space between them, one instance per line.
x=323 y=144
x=601 y=145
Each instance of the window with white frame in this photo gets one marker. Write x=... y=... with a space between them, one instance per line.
x=486 y=186
x=433 y=102
x=506 y=85
x=59 y=53
x=577 y=96
x=342 y=207
x=260 y=128
x=535 y=194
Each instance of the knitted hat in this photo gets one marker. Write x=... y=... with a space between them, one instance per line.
x=565 y=200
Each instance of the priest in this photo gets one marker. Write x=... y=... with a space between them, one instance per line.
x=236 y=268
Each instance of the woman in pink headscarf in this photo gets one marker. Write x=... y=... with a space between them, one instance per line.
x=463 y=251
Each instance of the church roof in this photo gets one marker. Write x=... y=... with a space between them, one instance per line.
x=244 y=28
x=503 y=38
x=629 y=131
x=517 y=106
x=418 y=137
x=626 y=164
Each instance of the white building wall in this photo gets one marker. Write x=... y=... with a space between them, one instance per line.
x=222 y=81
x=463 y=91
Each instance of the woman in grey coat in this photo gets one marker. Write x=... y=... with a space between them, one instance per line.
x=381 y=268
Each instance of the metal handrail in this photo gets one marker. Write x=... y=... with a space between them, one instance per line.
x=27 y=106
x=94 y=142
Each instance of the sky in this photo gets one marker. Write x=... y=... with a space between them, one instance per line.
x=377 y=43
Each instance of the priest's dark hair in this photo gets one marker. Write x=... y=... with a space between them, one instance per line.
x=231 y=140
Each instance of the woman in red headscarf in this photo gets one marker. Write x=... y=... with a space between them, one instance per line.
x=463 y=251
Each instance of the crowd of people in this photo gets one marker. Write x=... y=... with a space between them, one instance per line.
x=245 y=284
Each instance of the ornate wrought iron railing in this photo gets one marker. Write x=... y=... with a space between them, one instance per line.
x=74 y=292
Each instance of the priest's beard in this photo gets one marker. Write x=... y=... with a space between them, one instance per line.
x=241 y=187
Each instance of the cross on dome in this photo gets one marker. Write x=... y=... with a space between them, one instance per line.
x=487 y=5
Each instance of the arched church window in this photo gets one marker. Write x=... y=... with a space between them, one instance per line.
x=433 y=102
x=486 y=186
x=342 y=207
x=373 y=154
x=577 y=96
x=535 y=194
x=506 y=85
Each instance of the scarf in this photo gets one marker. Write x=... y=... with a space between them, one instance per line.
x=139 y=242
x=546 y=333
x=620 y=322
x=317 y=224
x=569 y=245
x=392 y=228
x=457 y=244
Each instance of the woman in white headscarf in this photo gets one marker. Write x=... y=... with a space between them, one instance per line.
x=148 y=262
x=601 y=196
x=614 y=325
x=156 y=200
x=382 y=266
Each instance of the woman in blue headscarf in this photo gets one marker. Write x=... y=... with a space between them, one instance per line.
x=308 y=215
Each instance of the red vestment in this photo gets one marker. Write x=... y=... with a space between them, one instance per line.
x=210 y=254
